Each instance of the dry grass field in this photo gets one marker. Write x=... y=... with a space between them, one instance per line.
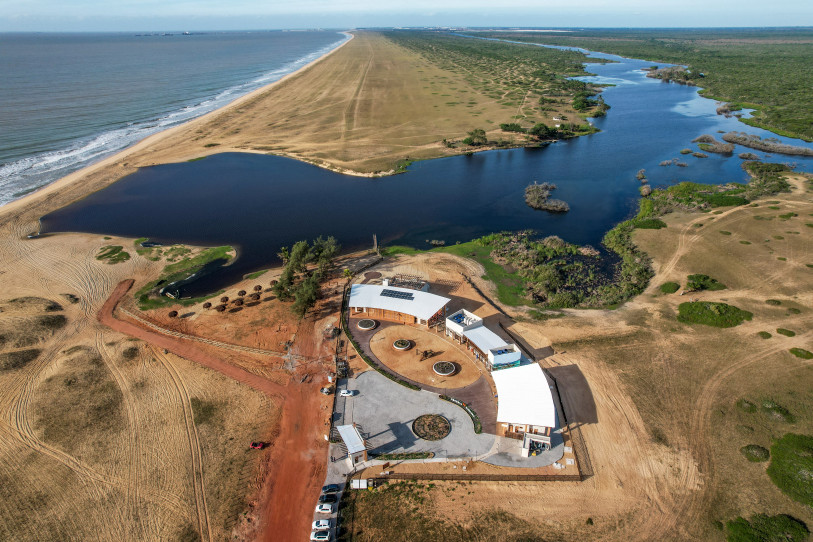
x=656 y=399
x=101 y=436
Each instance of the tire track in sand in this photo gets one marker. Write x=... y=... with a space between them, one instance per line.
x=134 y=477
x=193 y=438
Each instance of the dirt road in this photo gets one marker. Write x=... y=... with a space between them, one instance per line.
x=298 y=456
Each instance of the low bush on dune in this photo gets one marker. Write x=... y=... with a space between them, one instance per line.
x=670 y=287
x=764 y=528
x=801 y=353
x=755 y=453
x=703 y=282
x=14 y=360
x=775 y=411
x=712 y=314
x=791 y=467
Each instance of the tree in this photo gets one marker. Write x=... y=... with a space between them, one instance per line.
x=476 y=137
x=542 y=131
x=306 y=295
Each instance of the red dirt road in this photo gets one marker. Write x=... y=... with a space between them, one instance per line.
x=297 y=465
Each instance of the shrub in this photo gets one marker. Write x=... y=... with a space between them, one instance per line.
x=649 y=223
x=755 y=453
x=801 y=353
x=703 y=282
x=776 y=411
x=512 y=127
x=791 y=467
x=786 y=332
x=670 y=287
x=773 y=302
x=763 y=528
x=746 y=406
x=20 y=358
x=712 y=314
x=725 y=232
x=764 y=334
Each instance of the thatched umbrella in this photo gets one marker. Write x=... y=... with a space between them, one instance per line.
x=224 y=299
x=258 y=288
x=173 y=314
x=241 y=293
x=238 y=302
x=207 y=305
x=220 y=308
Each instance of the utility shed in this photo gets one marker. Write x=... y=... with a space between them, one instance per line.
x=356 y=448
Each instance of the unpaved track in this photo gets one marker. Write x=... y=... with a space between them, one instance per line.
x=297 y=458
x=192 y=437
x=181 y=347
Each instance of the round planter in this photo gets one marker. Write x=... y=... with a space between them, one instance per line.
x=444 y=368
x=431 y=427
x=402 y=344
x=366 y=324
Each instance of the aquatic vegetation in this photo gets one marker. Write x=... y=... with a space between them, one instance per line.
x=538 y=196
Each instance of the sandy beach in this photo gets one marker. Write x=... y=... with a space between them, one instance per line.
x=171 y=145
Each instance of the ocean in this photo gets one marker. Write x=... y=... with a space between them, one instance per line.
x=68 y=100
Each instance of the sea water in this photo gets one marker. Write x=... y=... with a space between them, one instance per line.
x=68 y=100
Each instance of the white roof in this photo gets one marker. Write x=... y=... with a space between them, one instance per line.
x=524 y=396
x=422 y=305
x=484 y=338
x=351 y=437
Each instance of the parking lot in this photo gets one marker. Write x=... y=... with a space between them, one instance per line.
x=384 y=412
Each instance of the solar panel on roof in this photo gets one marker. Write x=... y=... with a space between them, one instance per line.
x=397 y=295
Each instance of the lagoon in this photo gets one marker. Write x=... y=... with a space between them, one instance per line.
x=260 y=203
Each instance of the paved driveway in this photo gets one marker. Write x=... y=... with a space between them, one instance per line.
x=385 y=411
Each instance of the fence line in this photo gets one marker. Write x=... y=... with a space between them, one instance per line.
x=481 y=477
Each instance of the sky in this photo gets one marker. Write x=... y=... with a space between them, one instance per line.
x=163 y=15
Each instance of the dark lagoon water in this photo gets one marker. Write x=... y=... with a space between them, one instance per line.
x=261 y=203
x=68 y=100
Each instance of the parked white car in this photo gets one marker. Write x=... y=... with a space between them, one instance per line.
x=324 y=508
x=321 y=524
x=320 y=535
x=347 y=393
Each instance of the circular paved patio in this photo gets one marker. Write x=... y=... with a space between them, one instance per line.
x=408 y=363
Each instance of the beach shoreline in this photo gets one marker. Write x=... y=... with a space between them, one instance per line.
x=69 y=187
